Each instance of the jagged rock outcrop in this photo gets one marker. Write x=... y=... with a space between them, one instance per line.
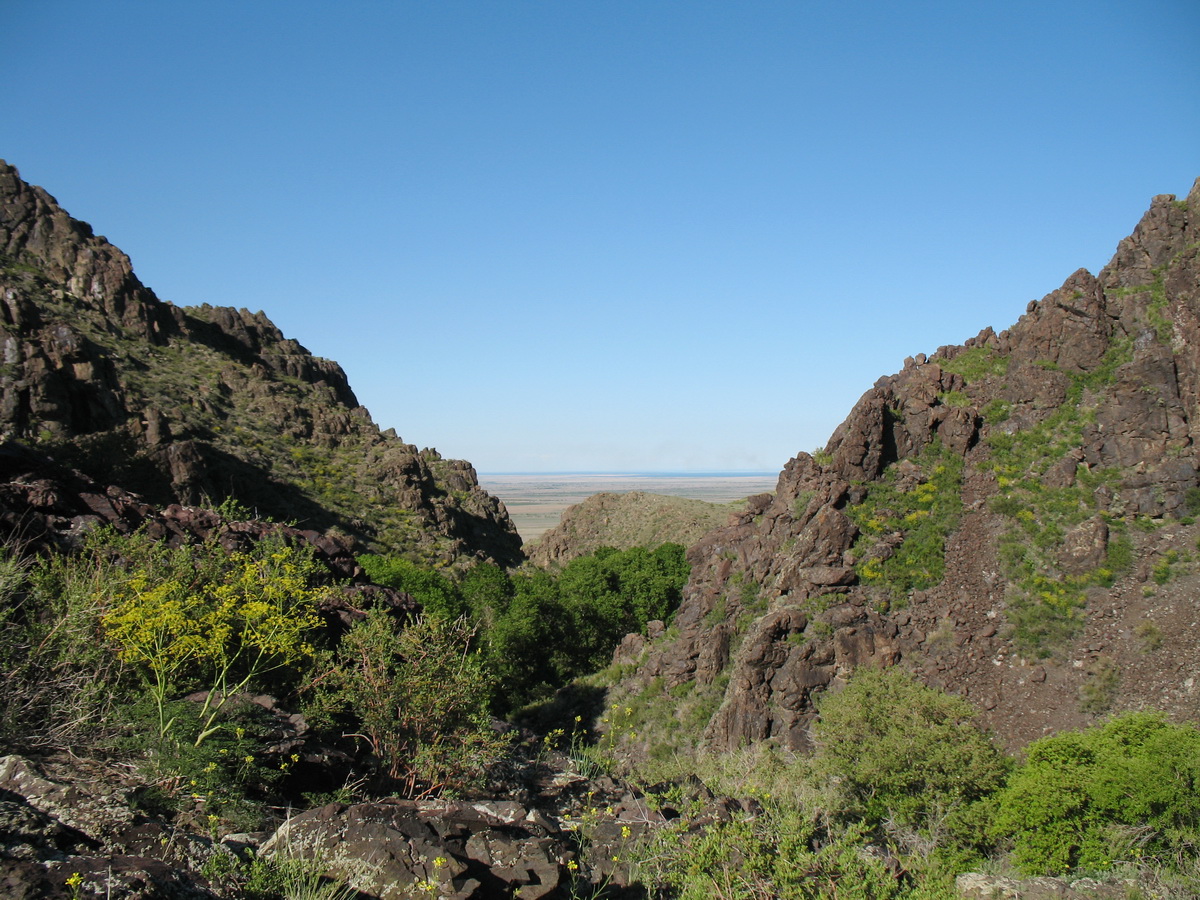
x=1061 y=584
x=64 y=819
x=625 y=520
x=188 y=405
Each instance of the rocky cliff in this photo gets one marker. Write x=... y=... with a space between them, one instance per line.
x=194 y=405
x=1012 y=519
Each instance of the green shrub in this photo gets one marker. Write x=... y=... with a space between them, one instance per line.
x=784 y=852
x=1099 y=689
x=905 y=752
x=420 y=695
x=280 y=876
x=1150 y=636
x=58 y=678
x=1127 y=790
x=63 y=683
x=1164 y=568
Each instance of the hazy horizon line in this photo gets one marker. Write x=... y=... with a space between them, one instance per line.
x=664 y=473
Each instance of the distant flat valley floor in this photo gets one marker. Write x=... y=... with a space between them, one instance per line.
x=536 y=502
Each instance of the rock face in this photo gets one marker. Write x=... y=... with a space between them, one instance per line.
x=56 y=826
x=1062 y=584
x=188 y=405
x=974 y=886
x=625 y=520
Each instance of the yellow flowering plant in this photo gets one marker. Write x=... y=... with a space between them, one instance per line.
x=220 y=633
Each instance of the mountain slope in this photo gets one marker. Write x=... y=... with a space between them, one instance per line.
x=198 y=404
x=1012 y=519
x=628 y=519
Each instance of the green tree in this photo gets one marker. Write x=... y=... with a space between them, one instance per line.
x=539 y=630
x=529 y=649
x=435 y=592
x=612 y=593
x=486 y=591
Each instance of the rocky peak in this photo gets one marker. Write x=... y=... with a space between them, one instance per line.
x=37 y=231
x=192 y=405
x=1004 y=517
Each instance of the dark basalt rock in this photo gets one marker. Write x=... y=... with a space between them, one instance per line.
x=192 y=405
x=815 y=622
x=78 y=820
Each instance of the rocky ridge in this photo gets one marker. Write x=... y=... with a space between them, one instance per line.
x=1063 y=585
x=193 y=405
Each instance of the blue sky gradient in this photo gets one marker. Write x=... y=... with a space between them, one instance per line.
x=622 y=236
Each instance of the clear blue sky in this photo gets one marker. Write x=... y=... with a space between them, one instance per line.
x=597 y=235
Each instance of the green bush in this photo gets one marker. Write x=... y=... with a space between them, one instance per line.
x=905 y=752
x=784 y=851
x=58 y=678
x=1127 y=790
x=64 y=685
x=421 y=695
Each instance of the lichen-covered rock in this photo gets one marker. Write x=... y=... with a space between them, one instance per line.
x=976 y=886
x=75 y=836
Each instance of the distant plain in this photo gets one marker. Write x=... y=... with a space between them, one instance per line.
x=536 y=501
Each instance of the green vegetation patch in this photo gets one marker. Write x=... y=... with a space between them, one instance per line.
x=955 y=399
x=905 y=520
x=1124 y=791
x=1156 y=306
x=901 y=765
x=904 y=751
x=1045 y=604
x=539 y=630
x=976 y=364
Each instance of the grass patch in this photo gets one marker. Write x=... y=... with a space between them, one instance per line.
x=996 y=411
x=976 y=364
x=955 y=399
x=1045 y=605
x=904 y=523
